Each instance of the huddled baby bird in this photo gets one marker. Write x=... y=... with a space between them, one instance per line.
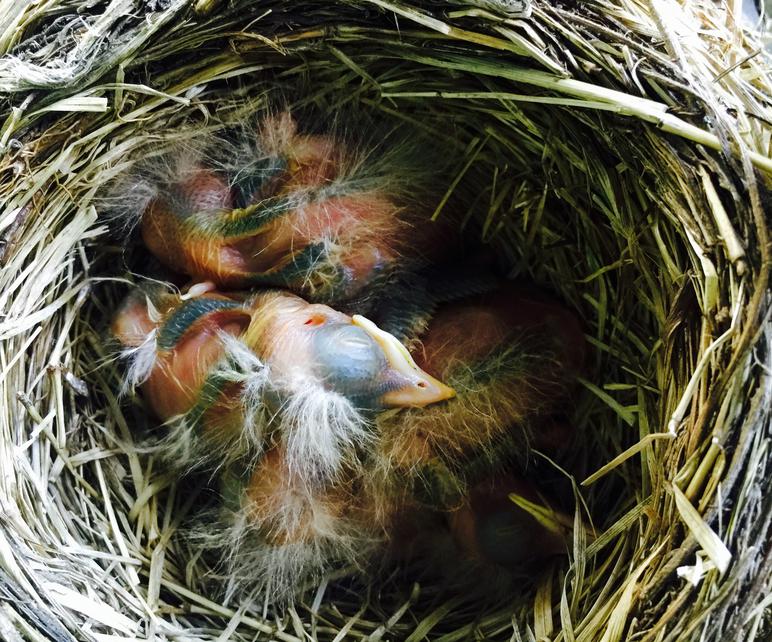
x=325 y=354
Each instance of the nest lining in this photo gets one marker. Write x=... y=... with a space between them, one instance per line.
x=605 y=151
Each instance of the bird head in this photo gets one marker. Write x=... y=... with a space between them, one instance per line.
x=350 y=355
x=301 y=343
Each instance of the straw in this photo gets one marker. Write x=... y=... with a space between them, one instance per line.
x=615 y=152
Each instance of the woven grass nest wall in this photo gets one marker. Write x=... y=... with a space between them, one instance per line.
x=617 y=152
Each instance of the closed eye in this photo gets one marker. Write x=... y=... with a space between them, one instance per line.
x=315 y=320
x=353 y=343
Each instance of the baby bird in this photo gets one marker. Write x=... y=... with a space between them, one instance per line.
x=494 y=542
x=230 y=371
x=486 y=533
x=277 y=533
x=511 y=355
x=278 y=208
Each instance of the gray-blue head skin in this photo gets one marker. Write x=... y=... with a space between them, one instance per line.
x=314 y=344
x=349 y=361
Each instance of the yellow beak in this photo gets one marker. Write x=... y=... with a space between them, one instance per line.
x=422 y=389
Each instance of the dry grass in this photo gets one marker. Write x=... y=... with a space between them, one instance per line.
x=617 y=152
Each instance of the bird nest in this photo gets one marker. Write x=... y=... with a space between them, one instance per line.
x=615 y=152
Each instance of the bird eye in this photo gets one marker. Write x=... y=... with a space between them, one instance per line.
x=315 y=320
x=355 y=342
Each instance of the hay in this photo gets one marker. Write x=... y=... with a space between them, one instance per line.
x=617 y=151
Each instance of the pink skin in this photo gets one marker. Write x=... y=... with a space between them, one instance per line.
x=285 y=339
x=497 y=317
x=174 y=385
x=362 y=226
x=467 y=331
x=273 y=490
x=358 y=223
x=178 y=374
x=314 y=160
x=131 y=324
x=500 y=317
x=366 y=231
x=278 y=327
x=166 y=236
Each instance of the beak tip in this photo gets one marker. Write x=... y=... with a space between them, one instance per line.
x=415 y=396
x=443 y=392
x=422 y=389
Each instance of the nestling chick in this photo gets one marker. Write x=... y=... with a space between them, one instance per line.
x=275 y=207
x=511 y=356
x=229 y=371
x=494 y=543
x=277 y=533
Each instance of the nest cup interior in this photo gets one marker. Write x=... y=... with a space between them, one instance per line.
x=568 y=186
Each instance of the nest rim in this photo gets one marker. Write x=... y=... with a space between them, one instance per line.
x=707 y=431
